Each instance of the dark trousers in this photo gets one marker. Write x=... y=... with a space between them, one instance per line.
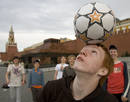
x=35 y=93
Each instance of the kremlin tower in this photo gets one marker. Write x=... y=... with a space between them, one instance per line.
x=11 y=47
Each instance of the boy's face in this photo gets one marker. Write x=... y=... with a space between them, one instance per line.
x=113 y=53
x=71 y=60
x=36 y=64
x=90 y=59
x=16 y=61
x=63 y=59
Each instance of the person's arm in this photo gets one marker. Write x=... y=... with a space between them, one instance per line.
x=30 y=80
x=42 y=76
x=55 y=74
x=23 y=76
x=7 y=74
x=126 y=83
x=7 y=77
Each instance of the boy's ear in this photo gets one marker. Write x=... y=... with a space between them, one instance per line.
x=102 y=72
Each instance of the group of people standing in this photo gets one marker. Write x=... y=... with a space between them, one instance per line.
x=15 y=78
x=63 y=69
x=82 y=79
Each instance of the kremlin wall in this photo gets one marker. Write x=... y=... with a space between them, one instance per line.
x=50 y=50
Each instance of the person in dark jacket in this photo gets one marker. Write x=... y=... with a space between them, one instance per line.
x=92 y=66
x=68 y=70
x=117 y=82
x=36 y=80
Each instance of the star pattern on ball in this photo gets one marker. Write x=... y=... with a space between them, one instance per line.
x=95 y=17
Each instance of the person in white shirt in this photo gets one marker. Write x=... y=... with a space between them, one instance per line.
x=16 y=79
x=59 y=68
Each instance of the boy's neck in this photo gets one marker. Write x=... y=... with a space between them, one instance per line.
x=36 y=67
x=116 y=60
x=16 y=64
x=82 y=87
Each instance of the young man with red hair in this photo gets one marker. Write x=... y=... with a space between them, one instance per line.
x=92 y=66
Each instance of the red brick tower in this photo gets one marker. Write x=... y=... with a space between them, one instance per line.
x=11 y=46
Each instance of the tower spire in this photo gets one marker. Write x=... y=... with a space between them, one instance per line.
x=11 y=30
x=11 y=40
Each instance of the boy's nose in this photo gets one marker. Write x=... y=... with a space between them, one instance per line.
x=79 y=57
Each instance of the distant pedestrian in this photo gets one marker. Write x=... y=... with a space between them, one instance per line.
x=16 y=80
x=36 y=80
x=68 y=70
x=59 y=68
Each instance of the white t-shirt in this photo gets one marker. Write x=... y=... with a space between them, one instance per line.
x=60 y=72
x=15 y=74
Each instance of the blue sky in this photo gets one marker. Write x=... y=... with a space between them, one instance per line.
x=36 y=20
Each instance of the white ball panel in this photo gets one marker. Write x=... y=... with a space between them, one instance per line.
x=102 y=7
x=108 y=22
x=86 y=9
x=82 y=24
x=95 y=31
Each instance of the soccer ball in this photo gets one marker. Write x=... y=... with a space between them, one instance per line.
x=94 y=23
